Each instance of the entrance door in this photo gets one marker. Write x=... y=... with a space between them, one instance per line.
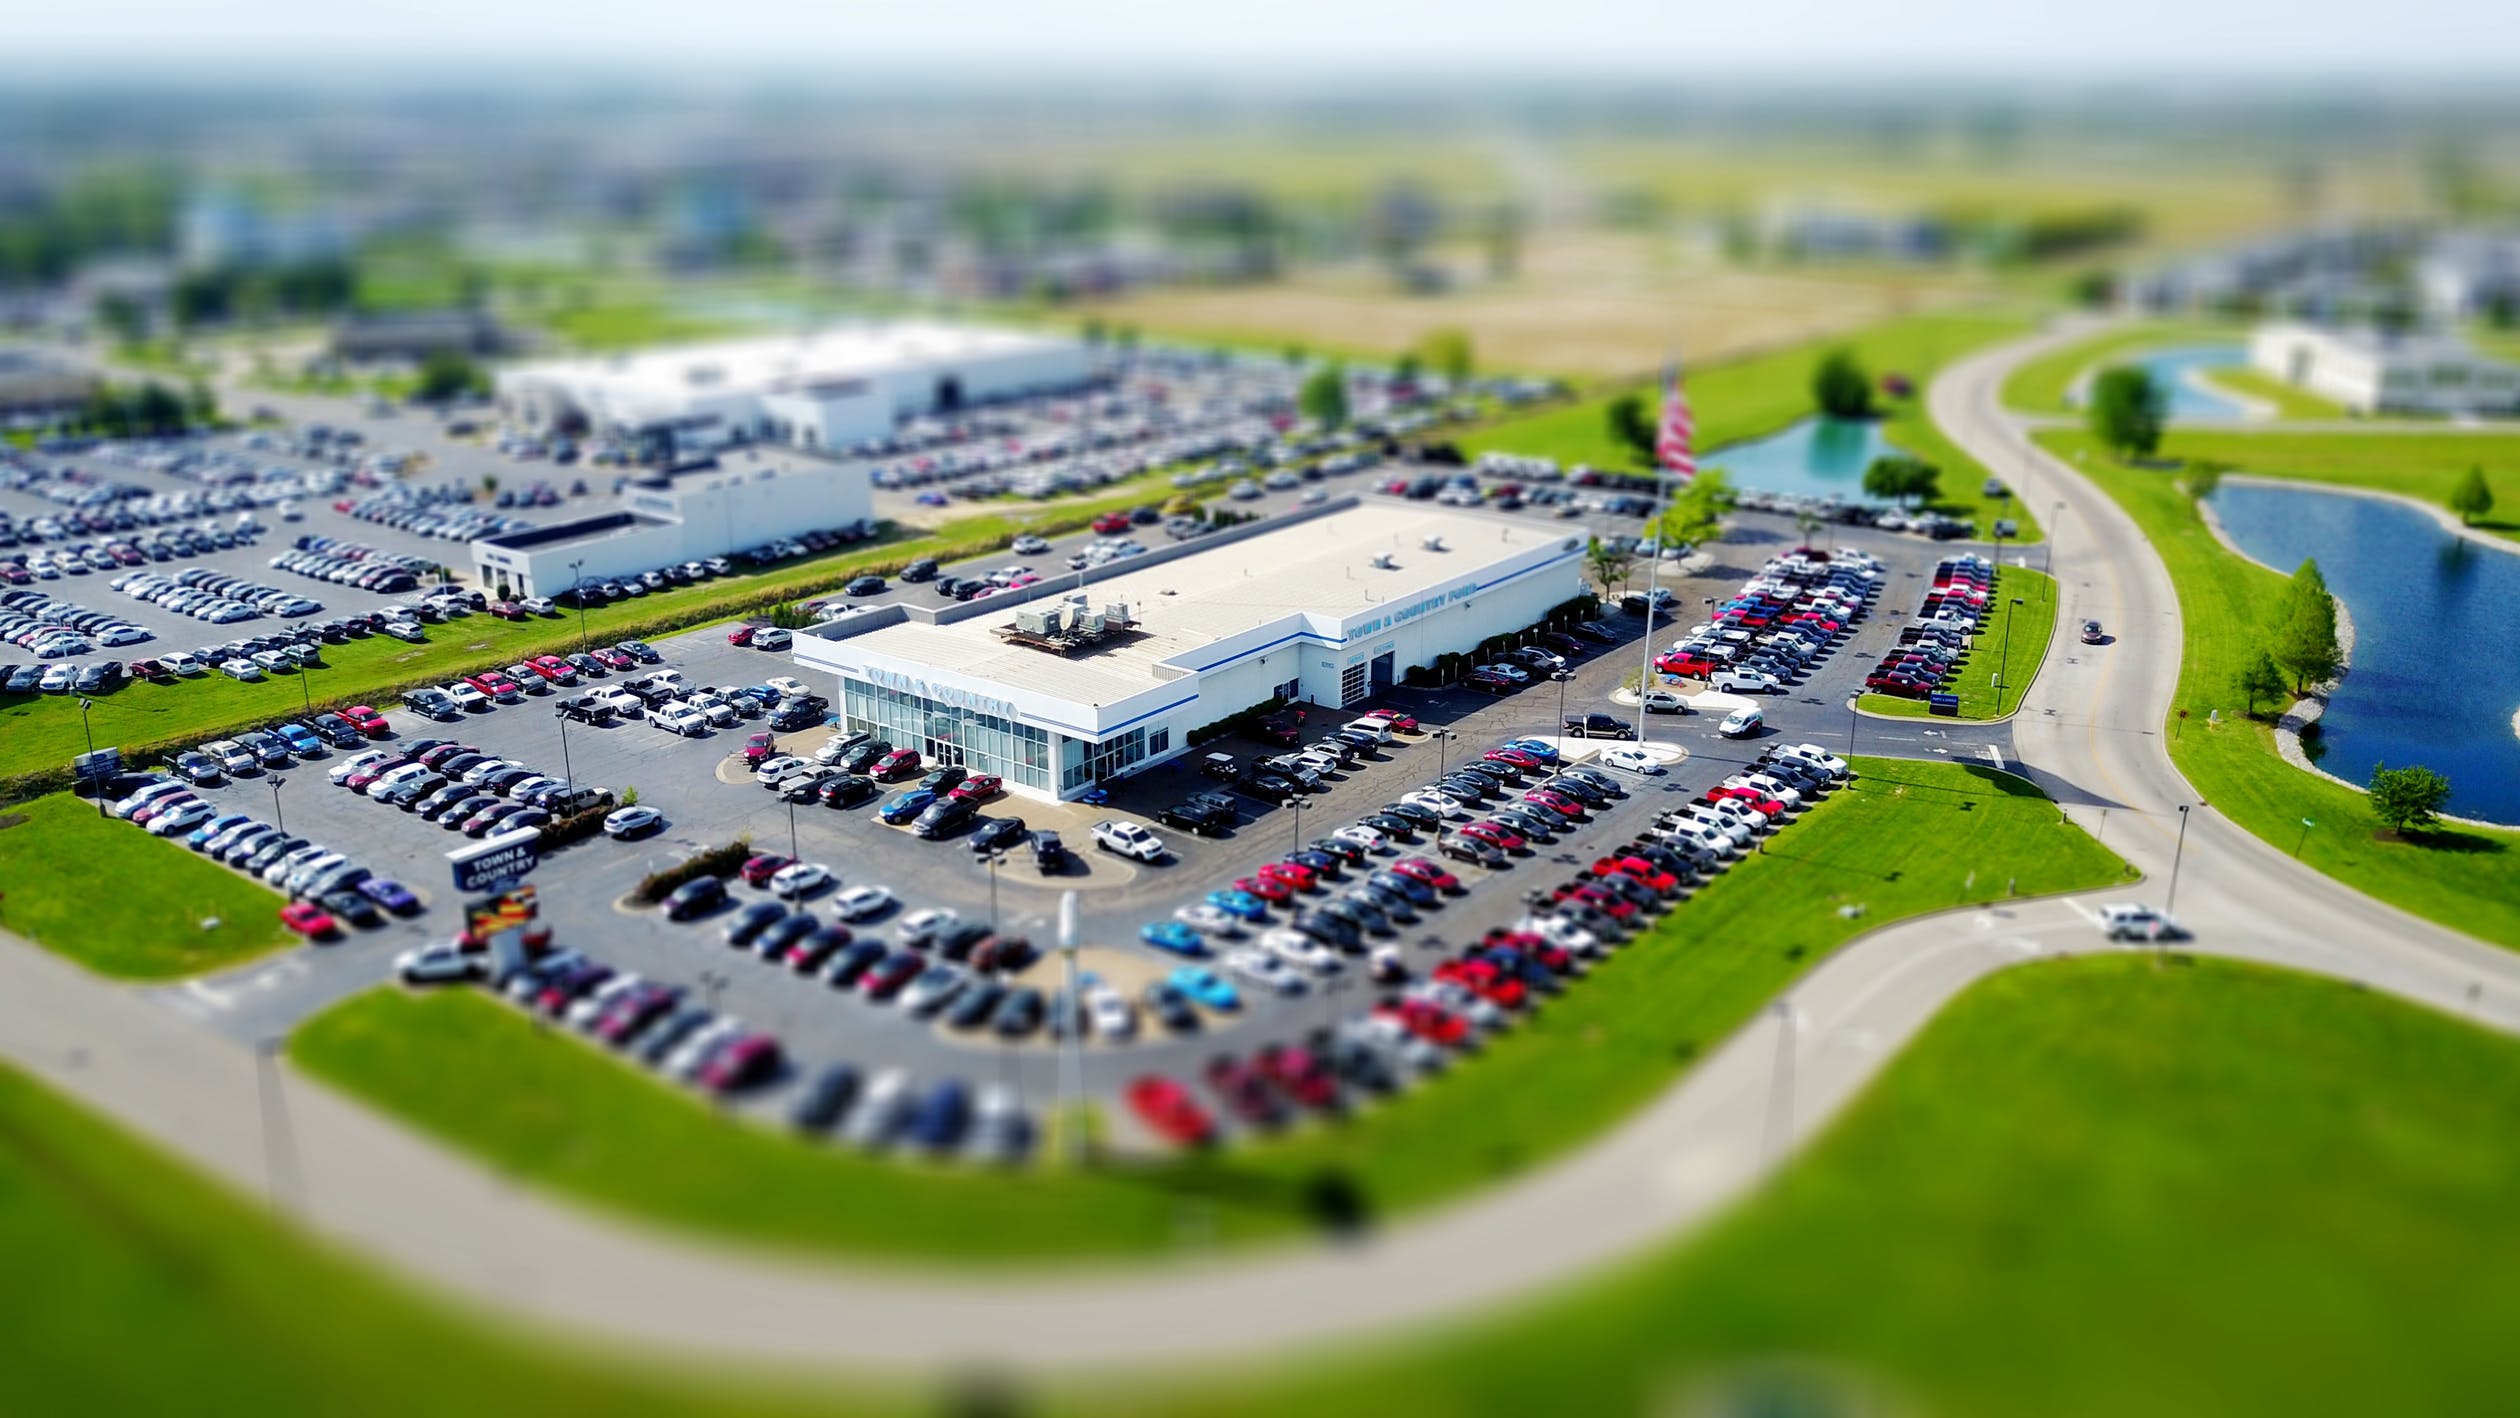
x=949 y=395
x=1382 y=671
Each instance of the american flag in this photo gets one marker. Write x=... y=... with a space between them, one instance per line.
x=1675 y=441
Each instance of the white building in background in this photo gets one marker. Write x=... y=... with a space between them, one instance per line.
x=666 y=519
x=832 y=389
x=2369 y=372
x=1092 y=679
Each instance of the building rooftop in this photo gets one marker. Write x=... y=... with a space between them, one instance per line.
x=1325 y=566
x=776 y=363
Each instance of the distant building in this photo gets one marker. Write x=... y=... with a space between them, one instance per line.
x=220 y=229
x=2369 y=372
x=416 y=334
x=39 y=382
x=831 y=390
x=668 y=518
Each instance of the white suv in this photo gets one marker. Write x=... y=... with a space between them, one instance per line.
x=1129 y=839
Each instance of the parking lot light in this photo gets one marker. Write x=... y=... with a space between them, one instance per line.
x=1443 y=745
x=305 y=693
x=577 y=587
x=276 y=819
x=990 y=862
x=1562 y=676
x=1295 y=814
x=793 y=854
x=2177 y=854
x=85 y=704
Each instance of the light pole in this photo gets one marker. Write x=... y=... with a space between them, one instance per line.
x=2306 y=825
x=276 y=819
x=793 y=853
x=577 y=588
x=990 y=861
x=85 y=705
x=1443 y=747
x=2056 y=518
x=1562 y=676
x=2177 y=853
x=1295 y=814
x=566 y=770
x=2003 y=670
x=306 y=695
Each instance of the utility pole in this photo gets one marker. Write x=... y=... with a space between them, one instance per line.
x=85 y=727
x=2054 y=518
x=2004 y=673
x=2177 y=854
x=577 y=588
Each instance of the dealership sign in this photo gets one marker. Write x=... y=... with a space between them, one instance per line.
x=498 y=861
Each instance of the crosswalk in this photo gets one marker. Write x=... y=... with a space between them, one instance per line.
x=203 y=999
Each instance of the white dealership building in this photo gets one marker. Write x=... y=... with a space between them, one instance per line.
x=828 y=390
x=2368 y=372
x=1091 y=676
x=667 y=518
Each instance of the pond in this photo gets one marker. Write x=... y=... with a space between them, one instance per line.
x=2187 y=398
x=1816 y=458
x=2436 y=665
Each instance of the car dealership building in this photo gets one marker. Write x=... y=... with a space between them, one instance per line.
x=668 y=518
x=1091 y=676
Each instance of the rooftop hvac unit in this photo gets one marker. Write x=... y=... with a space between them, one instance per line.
x=1380 y=561
x=1089 y=624
x=1434 y=544
x=1034 y=622
x=1051 y=616
x=1117 y=613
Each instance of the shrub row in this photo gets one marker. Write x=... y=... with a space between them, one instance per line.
x=576 y=827
x=1239 y=719
x=717 y=861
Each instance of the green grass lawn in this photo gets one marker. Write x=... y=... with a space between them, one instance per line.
x=2423 y=465
x=2092 y=1187
x=2015 y=650
x=2040 y=385
x=1759 y=395
x=2288 y=402
x=2467 y=879
x=1906 y=838
x=630 y=324
x=107 y=894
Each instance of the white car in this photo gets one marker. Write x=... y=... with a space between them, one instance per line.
x=1363 y=836
x=1257 y=966
x=1634 y=760
x=1129 y=839
x=630 y=821
x=788 y=686
x=836 y=746
x=931 y=920
x=1741 y=723
x=1513 y=673
x=1817 y=757
x=245 y=670
x=773 y=769
x=465 y=696
x=1110 y=1012
x=858 y=902
x=442 y=960
x=687 y=1056
x=1745 y=682
x=800 y=879
x=1761 y=783
x=676 y=717
x=880 y=1110
x=1208 y=920
x=539 y=605
x=1302 y=951
x=181 y=818
x=340 y=773
x=1028 y=545
x=772 y=638
x=589 y=1007
x=1663 y=701
x=621 y=702
x=1436 y=801
x=2124 y=920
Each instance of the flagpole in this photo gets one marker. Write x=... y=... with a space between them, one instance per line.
x=1653 y=569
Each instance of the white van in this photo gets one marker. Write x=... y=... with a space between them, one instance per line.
x=1741 y=723
x=1380 y=729
x=182 y=662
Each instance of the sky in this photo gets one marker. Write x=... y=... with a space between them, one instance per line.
x=1883 y=39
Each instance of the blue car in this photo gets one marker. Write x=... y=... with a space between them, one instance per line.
x=1172 y=936
x=1241 y=905
x=392 y=895
x=1202 y=984
x=906 y=805
x=1540 y=749
x=200 y=836
x=300 y=739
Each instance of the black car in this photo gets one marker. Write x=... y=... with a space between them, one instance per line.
x=1589 y=794
x=583 y=709
x=1049 y=853
x=351 y=906
x=924 y=569
x=1330 y=927
x=1204 y=819
x=1320 y=863
x=807 y=789
x=788 y=718
x=751 y=921
x=1540 y=826
x=1598 y=726
x=1388 y=825
x=693 y=897
x=943 y=780
x=862 y=757
x=1470 y=849
x=784 y=932
x=641 y=651
x=1268 y=787
x=825 y=1099
x=267 y=748
x=336 y=730
x=866 y=586
x=1413 y=813
x=1414 y=891
x=944 y=816
x=976 y=1004
x=997 y=834
x=1346 y=851
x=1171 y=1007
x=847 y=790
x=1473 y=786
x=957 y=941
x=1020 y=1015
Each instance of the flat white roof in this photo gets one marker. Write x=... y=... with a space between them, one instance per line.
x=772 y=363
x=1323 y=566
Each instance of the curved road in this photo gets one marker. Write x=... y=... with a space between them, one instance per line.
x=2088 y=733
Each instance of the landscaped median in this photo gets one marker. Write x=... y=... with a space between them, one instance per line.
x=2013 y=641
x=2465 y=878
x=1904 y=839
x=2044 y=385
x=121 y=902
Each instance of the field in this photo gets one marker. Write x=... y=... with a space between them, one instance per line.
x=2040 y=385
x=2016 y=651
x=2095 y=1186
x=121 y=902
x=1905 y=839
x=2092 y=1187
x=1757 y=395
x=2288 y=402
x=632 y=324
x=2468 y=880
x=2422 y=464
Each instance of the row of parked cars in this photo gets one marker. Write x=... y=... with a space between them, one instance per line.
x=326 y=887
x=215 y=597
x=1934 y=643
x=462 y=789
x=354 y=564
x=280 y=746
x=112 y=553
x=422 y=512
x=1783 y=622
x=51 y=628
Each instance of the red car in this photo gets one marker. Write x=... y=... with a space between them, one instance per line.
x=507 y=610
x=758 y=747
x=1112 y=522
x=1271 y=889
x=1170 y=1112
x=367 y=721
x=1244 y=1091
x=1637 y=869
x=899 y=763
x=979 y=787
x=759 y=870
x=1483 y=979
x=1515 y=758
x=741 y=635
x=612 y=659
x=1420 y=869
x=1533 y=944
x=1298 y=1074
x=746 y=1061
x=886 y=979
x=1495 y=834
x=494 y=684
x=1294 y=874
x=1617 y=906
x=1555 y=802
x=360 y=781
x=1760 y=802
x=309 y=920
x=1404 y=723
x=1685 y=666
x=553 y=668
x=1431 y=1022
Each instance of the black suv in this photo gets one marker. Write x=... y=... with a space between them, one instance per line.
x=1205 y=819
x=1598 y=726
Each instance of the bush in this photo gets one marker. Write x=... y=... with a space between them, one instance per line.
x=717 y=861
x=576 y=827
x=1239 y=719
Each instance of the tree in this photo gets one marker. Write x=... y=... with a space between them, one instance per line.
x=1447 y=352
x=1608 y=563
x=2127 y=409
x=447 y=375
x=1903 y=478
x=2202 y=478
x=201 y=407
x=2260 y=679
x=1841 y=387
x=2471 y=499
x=1696 y=511
x=2407 y=798
x=119 y=312
x=1404 y=370
x=1625 y=420
x=2305 y=635
x=1324 y=398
